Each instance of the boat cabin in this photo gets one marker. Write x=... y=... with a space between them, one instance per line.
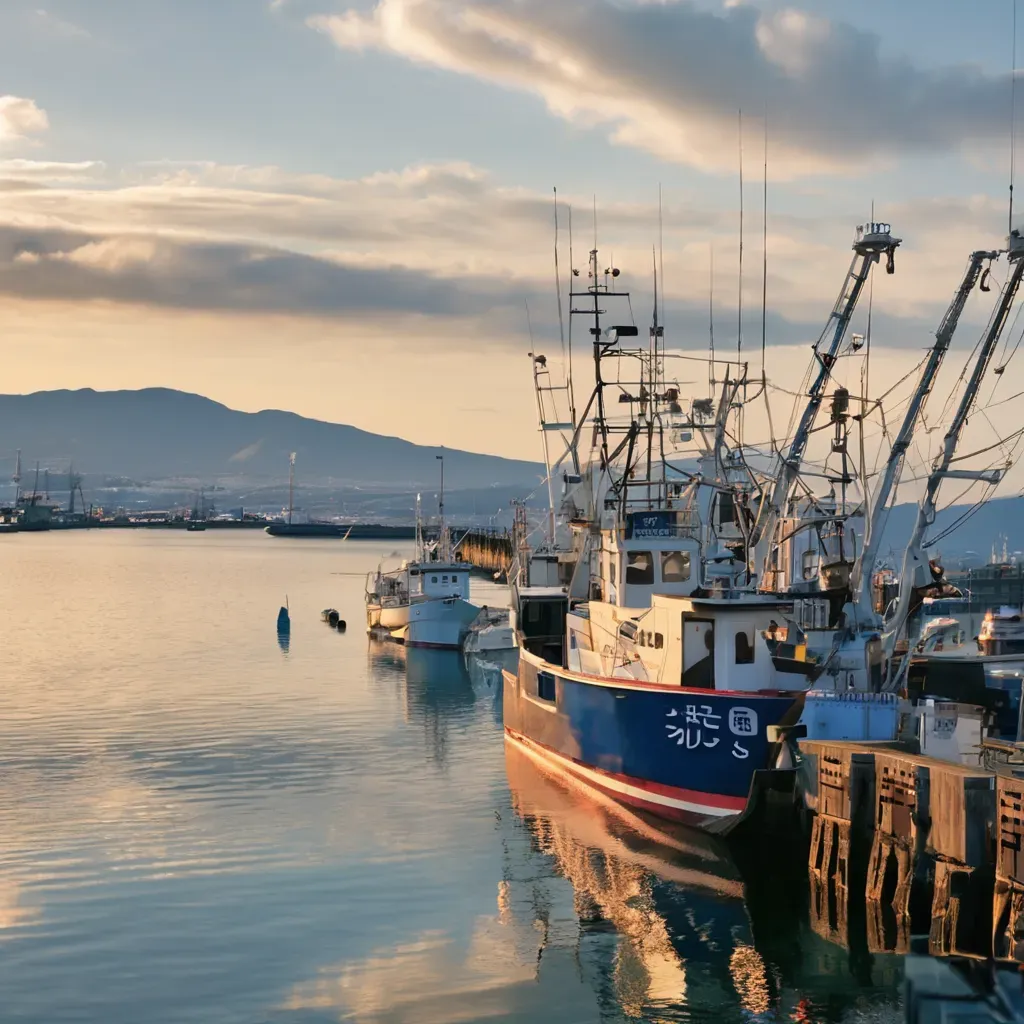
x=656 y=552
x=703 y=643
x=439 y=579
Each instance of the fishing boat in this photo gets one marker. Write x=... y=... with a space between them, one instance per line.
x=424 y=602
x=650 y=678
x=197 y=520
x=290 y=526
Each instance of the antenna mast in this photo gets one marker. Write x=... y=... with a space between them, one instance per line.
x=291 y=485
x=1013 y=115
x=764 y=249
x=711 y=323
x=739 y=301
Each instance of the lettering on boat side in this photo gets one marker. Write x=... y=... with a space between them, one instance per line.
x=698 y=719
x=649 y=524
x=743 y=721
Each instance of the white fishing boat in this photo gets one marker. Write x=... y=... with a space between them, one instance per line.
x=425 y=601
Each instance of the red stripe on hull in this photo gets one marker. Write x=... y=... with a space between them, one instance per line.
x=705 y=807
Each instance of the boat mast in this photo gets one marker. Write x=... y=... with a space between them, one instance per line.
x=864 y=569
x=291 y=485
x=444 y=546
x=916 y=568
x=870 y=242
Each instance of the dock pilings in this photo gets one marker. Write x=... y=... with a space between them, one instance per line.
x=902 y=844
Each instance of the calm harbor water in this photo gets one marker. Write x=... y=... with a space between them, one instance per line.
x=198 y=825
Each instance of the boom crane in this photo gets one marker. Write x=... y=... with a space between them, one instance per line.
x=917 y=570
x=864 y=568
x=870 y=242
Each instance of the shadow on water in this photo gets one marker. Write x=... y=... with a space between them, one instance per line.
x=672 y=925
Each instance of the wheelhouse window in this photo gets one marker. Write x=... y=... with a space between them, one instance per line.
x=546 y=686
x=639 y=568
x=744 y=648
x=675 y=566
x=810 y=565
x=433 y=579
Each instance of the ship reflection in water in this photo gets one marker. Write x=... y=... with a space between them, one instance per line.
x=670 y=928
x=600 y=914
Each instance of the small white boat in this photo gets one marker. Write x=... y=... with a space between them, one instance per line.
x=425 y=601
x=491 y=631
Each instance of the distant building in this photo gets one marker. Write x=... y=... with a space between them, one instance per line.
x=991 y=586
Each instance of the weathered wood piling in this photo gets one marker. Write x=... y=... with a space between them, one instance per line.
x=916 y=837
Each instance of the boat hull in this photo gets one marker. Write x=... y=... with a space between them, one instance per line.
x=493 y=638
x=439 y=623
x=686 y=755
x=305 y=530
x=393 y=618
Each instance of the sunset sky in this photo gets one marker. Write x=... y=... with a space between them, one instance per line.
x=344 y=209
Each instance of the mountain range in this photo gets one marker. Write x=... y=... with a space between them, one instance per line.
x=160 y=445
x=159 y=434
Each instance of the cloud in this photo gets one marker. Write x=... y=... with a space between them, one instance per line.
x=440 y=240
x=21 y=171
x=670 y=77
x=432 y=979
x=20 y=119
x=188 y=274
x=60 y=27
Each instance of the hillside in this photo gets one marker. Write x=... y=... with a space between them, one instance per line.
x=160 y=434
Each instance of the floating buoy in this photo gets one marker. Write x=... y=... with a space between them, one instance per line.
x=333 y=618
x=342 y=626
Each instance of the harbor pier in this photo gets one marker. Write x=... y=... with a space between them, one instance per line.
x=488 y=550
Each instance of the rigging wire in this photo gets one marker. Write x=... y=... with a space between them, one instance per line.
x=558 y=286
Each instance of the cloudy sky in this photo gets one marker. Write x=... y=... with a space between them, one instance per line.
x=344 y=209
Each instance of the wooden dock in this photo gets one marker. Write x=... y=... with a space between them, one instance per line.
x=488 y=550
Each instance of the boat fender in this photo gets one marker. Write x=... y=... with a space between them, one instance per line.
x=342 y=625
x=332 y=617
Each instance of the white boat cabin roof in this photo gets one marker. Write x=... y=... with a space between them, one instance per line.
x=541 y=592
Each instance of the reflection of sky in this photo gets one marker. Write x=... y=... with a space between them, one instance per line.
x=179 y=797
x=196 y=828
